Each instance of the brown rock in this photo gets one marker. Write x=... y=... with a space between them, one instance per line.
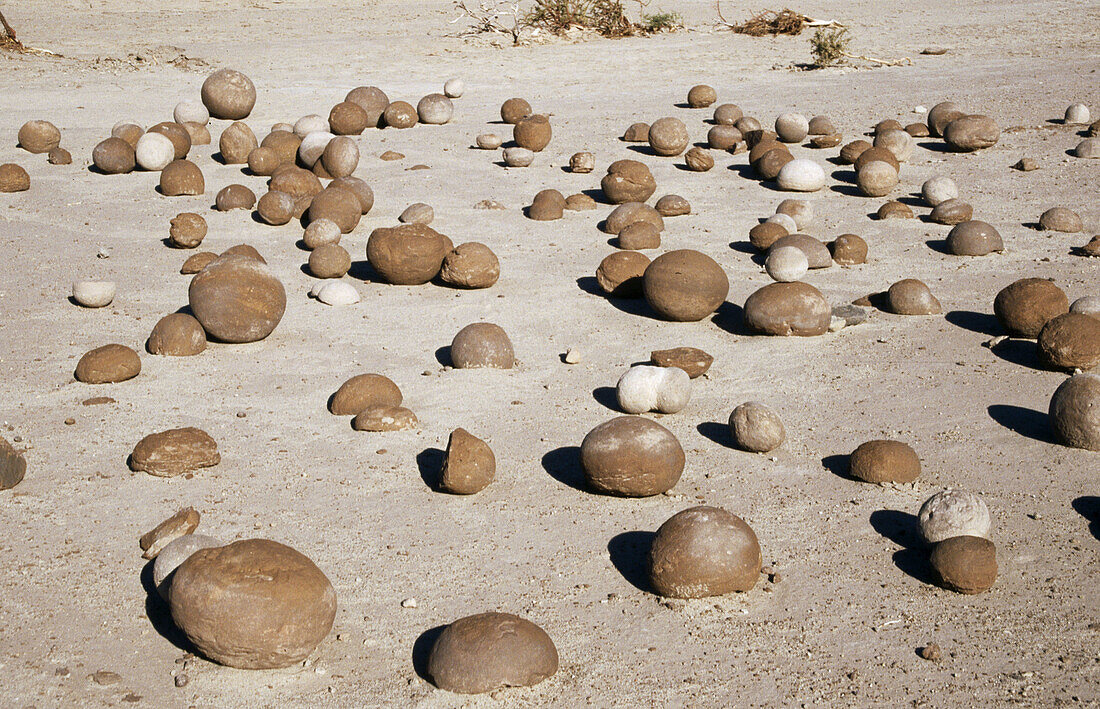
x=974 y=238
x=246 y=250
x=894 y=210
x=1026 y=165
x=178 y=334
x=181 y=139
x=348 y=118
x=965 y=564
x=701 y=96
x=113 y=156
x=821 y=125
x=548 y=205
x=579 y=202
x=952 y=211
x=629 y=213
x=1024 y=306
x=631 y=456
x=817 y=253
x=13 y=466
x=417 y=213
x=762 y=138
x=756 y=428
x=826 y=141
x=1092 y=248
x=514 y=110
x=234 y=197
x=942 y=114
x=582 y=163
x=692 y=360
x=174 y=452
x=470 y=265
x=912 y=297
x=887 y=125
x=484 y=652
x=340 y=158
x=400 y=114
x=533 y=133
x=1075 y=411
x=128 y=132
x=794 y=308
x=970 y=133
x=263 y=161
x=639 y=235
x=237 y=299
x=673 y=205
x=763 y=235
x=59 y=156
x=668 y=136
x=108 y=364
x=198 y=133
x=364 y=391
x=851 y=152
x=359 y=188
x=295 y=181
x=849 y=250
x=197 y=262
x=723 y=137
x=182 y=523
x=884 y=462
x=182 y=177
x=187 y=230
x=371 y=99
x=482 y=345
x=1070 y=341
x=628 y=181
x=329 y=261
x=276 y=208
x=406 y=255
x=703 y=551
x=1061 y=219
x=636 y=133
x=698 y=160
x=620 y=274
x=228 y=94
x=768 y=166
x=13 y=178
x=252 y=604
x=284 y=144
x=339 y=205
x=917 y=130
x=39 y=136
x=685 y=285
x=728 y=114
x=469 y=466
x=378 y=419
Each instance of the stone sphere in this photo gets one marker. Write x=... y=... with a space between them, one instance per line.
x=313 y=147
x=1070 y=341
x=1077 y=114
x=236 y=143
x=312 y=123
x=233 y=197
x=763 y=236
x=336 y=293
x=620 y=274
x=384 y=418
x=795 y=308
x=340 y=157
x=801 y=175
x=698 y=159
x=371 y=99
x=13 y=178
x=180 y=137
x=182 y=177
x=756 y=428
x=792 y=127
x=790 y=226
x=252 y=604
x=821 y=125
x=518 y=157
x=951 y=212
x=631 y=456
x=347 y=118
x=786 y=263
x=668 y=136
x=59 y=156
x=1061 y=219
x=672 y=205
x=237 y=299
x=701 y=96
x=970 y=133
x=774 y=160
x=1075 y=412
x=406 y=255
x=482 y=345
x=965 y=564
x=338 y=205
x=912 y=297
x=276 y=208
x=39 y=136
x=877 y=178
x=191 y=111
x=630 y=213
x=470 y=265
x=454 y=88
x=582 y=163
x=228 y=94
x=435 y=109
x=974 y=238
x=849 y=250
x=1087 y=305
x=94 y=294
x=284 y=143
x=703 y=551
x=263 y=161
x=481 y=653
x=746 y=124
x=514 y=110
x=197 y=262
x=894 y=210
x=938 y=190
x=942 y=114
x=636 y=133
x=851 y=152
x=799 y=210
x=684 y=285
x=898 y=142
x=953 y=513
x=108 y=364
x=177 y=335
x=114 y=156
x=723 y=137
x=884 y=462
x=362 y=392
x=639 y=235
x=175 y=553
x=644 y=388
x=1088 y=148
x=628 y=181
x=727 y=114
x=533 y=133
x=1024 y=306
x=873 y=154
x=817 y=253
x=329 y=261
x=154 y=151
x=469 y=465
x=400 y=114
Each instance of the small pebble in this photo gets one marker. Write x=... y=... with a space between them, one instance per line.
x=931 y=652
x=1026 y=165
x=182 y=679
x=572 y=356
x=105 y=678
x=409 y=603
x=70 y=421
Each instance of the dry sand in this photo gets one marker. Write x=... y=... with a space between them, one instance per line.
x=842 y=624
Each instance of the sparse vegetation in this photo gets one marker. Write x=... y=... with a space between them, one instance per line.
x=662 y=22
x=829 y=46
x=607 y=17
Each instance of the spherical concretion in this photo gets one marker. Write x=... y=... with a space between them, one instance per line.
x=965 y=564
x=762 y=236
x=1088 y=148
x=533 y=132
x=723 y=136
x=784 y=220
x=514 y=110
x=628 y=181
x=849 y=250
x=801 y=211
x=727 y=114
x=1092 y=248
x=263 y=161
x=107 y=365
x=338 y=205
x=228 y=94
x=760 y=148
x=378 y=419
x=756 y=428
x=546 y=207
x=482 y=345
x=191 y=111
x=942 y=114
x=817 y=253
x=154 y=151
x=406 y=255
x=912 y=297
x=321 y=232
x=745 y=124
x=1077 y=114
x=580 y=202
x=582 y=163
x=252 y=604
x=937 y=190
x=886 y=125
x=329 y=261
x=276 y=208
x=130 y=132
x=772 y=163
x=970 y=133
x=1061 y=219
x=400 y=114
x=821 y=125
x=435 y=109
x=917 y=130
x=792 y=127
x=174 y=452
x=518 y=157
x=894 y=210
x=362 y=392
x=826 y=141
x=176 y=335
x=59 y=156
x=470 y=265
x=1070 y=341
x=236 y=143
x=13 y=178
x=285 y=144
x=620 y=274
x=197 y=262
x=672 y=205
x=175 y=553
x=951 y=212
x=953 y=513
x=636 y=133
x=884 y=462
x=898 y=142
x=684 y=285
x=701 y=96
x=198 y=133
x=1087 y=305
x=94 y=294
x=371 y=99
x=313 y=147
x=237 y=299
x=698 y=159
x=878 y=154
x=703 y=551
x=341 y=156
x=454 y=87
x=645 y=388
x=421 y=213
x=484 y=652
x=246 y=250
x=181 y=139
x=974 y=238
x=1075 y=411
x=234 y=197
x=359 y=188
x=337 y=293
x=182 y=177
x=639 y=235
x=13 y=466
x=877 y=178
x=782 y=309
x=1024 y=306
x=851 y=152
x=786 y=263
x=39 y=136
x=469 y=465
x=347 y=118
x=631 y=456
x=668 y=136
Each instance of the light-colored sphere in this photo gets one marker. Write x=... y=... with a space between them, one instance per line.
x=801 y=175
x=1086 y=305
x=787 y=263
x=310 y=124
x=454 y=88
x=646 y=388
x=154 y=151
x=175 y=553
x=313 y=146
x=784 y=220
x=1077 y=114
x=94 y=294
x=938 y=189
x=953 y=513
x=518 y=157
x=190 y=111
x=337 y=293
x=321 y=232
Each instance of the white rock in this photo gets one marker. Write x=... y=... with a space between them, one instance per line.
x=337 y=293
x=154 y=151
x=919 y=109
x=321 y=232
x=175 y=553
x=792 y=127
x=787 y=263
x=317 y=288
x=1077 y=114
x=489 y=141
x=572 y=356
x=953 y=513
x=409 y=603
x=1087 y=305
x=312 y=123
x=801 y=175
x=435 y=110
x=94 y=294
x=648 y=388
x=1088 y=148
x=938 y=189
x=518 y=157
x=898 y=142
x=784 y=220
x=313 y=146
x=454 y=88
x=191 y=112
x=798 y=209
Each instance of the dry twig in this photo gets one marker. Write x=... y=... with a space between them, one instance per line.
x=8 y=40
x=785 y=21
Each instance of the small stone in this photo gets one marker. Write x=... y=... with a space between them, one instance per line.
x=572 y=356
x=13 y=467
x=59 y=156
x=469 y=465
x=894 y=210
x=1088 y=148
x=175 y=452
x=489 y=141
x=181 y=679
x=692 y=360
x=97 y=400
x=850 y=314
x=489 y=204
x=174 y=554
x=1026 y=165
x=384 y=418
x=94 y=294
x=912 y=297
x=197 y=262
x=1092 y=248
x=934 y=51
x=518 y=157
x=417 y=213
x=391 y=155
x=580 y=202
x=698 y=159
x=931 y=652
x=582 y=163
x=952 y=211
x=672 y=205
x=1061 y=219
x=107 y=365
x=409 y=603
x=756 y=427
x=105 y=678
x=70 y=421
x=826 y=141
x=182 y=523
x=884 y=461
x=187 y=230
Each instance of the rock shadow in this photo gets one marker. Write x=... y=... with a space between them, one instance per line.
x=642 y=148
x=717 y=433
x=422 y=649
x=981 y=323
x=731 y=318
x=430 y=463
x=1088 y=506
x=901 y=528
x=937 y=146
x=1026 y=422
x=607 y=397
x=838 y=466
x=939 y=246
x=443 y=356
x=1024 y=353
x=160 y=615
x=564 y=465
x=628 y=555
x=631 y=306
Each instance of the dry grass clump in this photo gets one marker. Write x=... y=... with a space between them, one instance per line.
x=606 y=17
x=785 y=21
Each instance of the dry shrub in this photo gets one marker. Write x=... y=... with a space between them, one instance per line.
x=786 y=21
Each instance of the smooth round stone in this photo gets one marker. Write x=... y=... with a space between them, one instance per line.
x=13 y=466
x=727 y=114
x=941 y=114
x=1075 y=412
x=454 y=88
x=1061 y=219
x=628 y=181
x=378 y=419
x=801 y=211
x=894 y=210
x=484 y=652
x=974 y=238
x=965 y=564
x=952 y=211
x=94 y=294
x=1025 y=305
x=1077 y=114
x=321 y=232
x=937 y=190
x=470 y=265
x=953 y=513
x=237 y=299
x=175 y=553
x=884 y=462
x=620 y=274
x=338 y=293
x=191 y=111
x=313 y=146
x=668 y=136
x=792 y=127
x=154 y=151
x=788 y=309
x=1088 y=148
x=912 y=297
x=756 y=428
x=692 y=360
x=703 y=551
x=801 y=175
x=898 y=142
x=489 y=141
x=723 y=137
x=417 y=213
x=685 y=285
x=362 y=392
x=482 y=345
x=176 y=335
x=784 y=220
x=518 y=157
x=1086 y=305
x=469 y=465
x=228 y=94
x=631 y=456
x=817 y=253
x=698 y=160
x=821 y=125
x=970 y=133
x=582 y=163
x=435 y=109
x=849 y=250
x=108 y=364
x=644 y=388
x=187 y=230
x=1070 y=341
x=313 y=123
x=877 y=178
x=408 y=255
x=39 y=137
x=701 y=96
x=786 y=263
x=763 y=236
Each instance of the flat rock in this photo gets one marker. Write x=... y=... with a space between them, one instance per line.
x=183 y=522
x=692 y=360
x=175 y=452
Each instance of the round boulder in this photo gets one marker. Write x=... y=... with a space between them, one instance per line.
x=228 y=94
x=482 y=345
x=407 y=255
x=177 y=335
x=974 y=238
x=795 y=308
x=107 y=365
x=631 y=456
x=884 y=462
x=685 y=285
x=484 y=652
x=1075 y=412
x=756 y=428
x=1070 y=341
x=237 y=299
x=953 y=513
x=1024 y=306
x=965 y=564
x=703 y=551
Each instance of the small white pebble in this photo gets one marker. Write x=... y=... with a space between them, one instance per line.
x=572 y=356
x=409 y=603
x=919 y=109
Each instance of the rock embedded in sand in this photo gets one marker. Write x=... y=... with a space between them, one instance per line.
x=177 y=335
x=94 y=294
x=13 y=466
x=849 y=250
x=228 y=94
x=469 y=465
x=107 y=365
x=826 y=141
x=470 y=265
x=336 y=293
x=1061 y=219
x=941 y=114
x=348 y=118
x=533 y=133
x=762 y=236
x=40 y=136
x=970 y=133
x=792 y=127
x=233 y=197
x=951 y=212
x=1024 y=306
x=631 y=456
x=181 y=523
x=817 y=253
x=59 y=156
x=252 y=604
x=698 y=159
x=821 y=125
x=547 y=205
x=910 y=296
x=175 y=452
x=884 y=461
x=1070 y=341
x=685 y=285
x=636 y=133
x=801 y=175
x=435 y=109
x=672 y=205
x=379 y=419
x=371 y=99
x=329 y=261
x=701 y=96
x=182 y=177
x=175 y=553
x=237 y=299
x=894 y=210
x=186 y=230
x=518 y=157
x=1075 y=412
x=668 y=136
x=918 y=130
x=628 y=181
x=639 y=235
x=1088 y=148
x=1087 y=305
x=974 y=238
x=695 y=362
x=620 y=274
x=1077 y=114
x=482 y=345
x=153 y=152
x=454 y=87
x=727 y=114
x=703 y=551
x=786 y=263
x=400 y=114
x=756 y=428
x=965 y=564
x=644 y=388
x=953 y=513
x=723 y=137
x=629 y=213
x=580 y=202
x=362 y=392
x=1092 y=248
x=788 y=309
x=514 y=110
x=877 y=178
x=407 y=255
x=197 y=262
x=582 y=163
x=851 y=152
x=937 y=190
x=484 y=652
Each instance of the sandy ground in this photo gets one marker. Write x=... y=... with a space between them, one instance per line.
x=842 y=623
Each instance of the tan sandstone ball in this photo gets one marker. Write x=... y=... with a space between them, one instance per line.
x=723 y=137
x=672 y=205
x=228 y=94
x=435 y=109
x=638 y=236
x=482 y=345
x=182 y=177
x=877 y=178
x=698 y=159
x=628 y=181
x=236 y=142
x=701 y=96
x=485 y=652
x=792 y=127
x=794 y=308
x=685 y=285
x=533 y=132
x=851 y=151
x=237 y=299
x=233 y=197
x=13 y=178
x=849 y=250
x=359 y=188
x=951 y=212
x=974 y=238
x=39 y=136
x=329 y=261
x=668 y=136
x=59 y=156
x=965 y=564
x=942 y=114
x=469 y=465
x=514 y=110
x=470 y=265
x=703 y=551
x=884 y=462
x=177 y=335
x=114 y=156
x=285 y=144
x=636 y=133
x=400 y=114
x=631 y=456
x=582 y=163
x=371 y=99
x=177 y=135
x=348 y=118
x=276 y=208
x=912 y=297
x=363 y=391
x=727 y=114
x=263 y=161
x=756 y=427
x=620 y=274
x=186 y=230
x=406 y=255
x=970 y=133
x=1061 y=219
x=629 y=213
x=874 y=154
x=1024 y=306
x=108 y=364
x=1070 y=341
x=1075 y=411
x=197 y=262
x=338 y=205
